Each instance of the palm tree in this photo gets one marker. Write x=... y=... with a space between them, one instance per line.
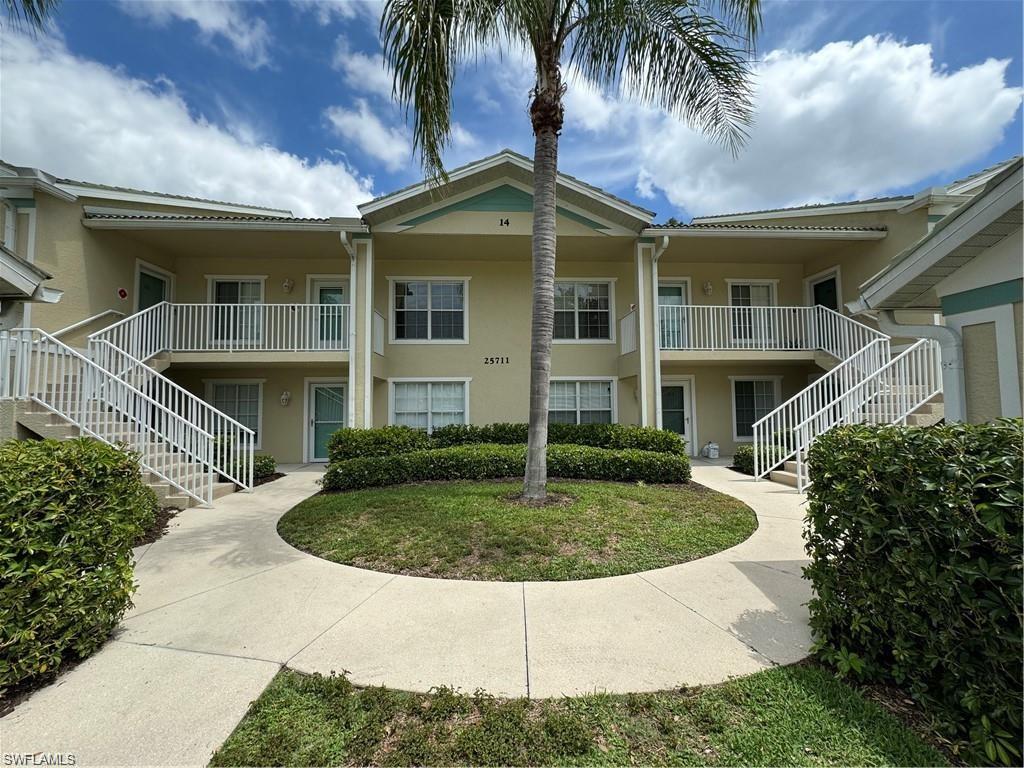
x=32 y=13
x=688 y=56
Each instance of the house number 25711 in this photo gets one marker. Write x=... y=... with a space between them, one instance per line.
x=495 y=361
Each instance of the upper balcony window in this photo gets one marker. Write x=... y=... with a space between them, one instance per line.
x=241 y=325
x=583 y=311
x=431 y=310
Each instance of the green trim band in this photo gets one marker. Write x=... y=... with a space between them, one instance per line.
x=22 y=202
x=1009 y=292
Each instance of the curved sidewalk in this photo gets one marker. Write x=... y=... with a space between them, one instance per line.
x=223 y=602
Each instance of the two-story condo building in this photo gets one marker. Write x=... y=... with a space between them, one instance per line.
x=418 y=312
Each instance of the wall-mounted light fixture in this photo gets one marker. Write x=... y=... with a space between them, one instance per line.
x=708 y=288
x=287 y=285
x=286 y=397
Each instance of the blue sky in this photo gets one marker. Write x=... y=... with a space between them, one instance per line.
x=286 y=104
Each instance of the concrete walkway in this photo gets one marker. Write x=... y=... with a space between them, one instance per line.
x=223 y=602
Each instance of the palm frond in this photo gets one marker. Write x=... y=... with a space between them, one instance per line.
x=30 y=13
x=424 y=41
x=675 y=54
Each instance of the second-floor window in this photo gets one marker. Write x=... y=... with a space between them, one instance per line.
x=244 y=323
x=583 y=310
x=429 y=310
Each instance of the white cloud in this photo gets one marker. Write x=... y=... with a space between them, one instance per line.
x=248 y=35
x=852 y=119
x=361 y=71
x=388 y=144
x=462 y=138
x=329 y=11
x=79 y=119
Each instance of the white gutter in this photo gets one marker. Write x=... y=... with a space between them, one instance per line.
x=764 y=233
x=346 y=243
x=657 y=332
x=952 y=359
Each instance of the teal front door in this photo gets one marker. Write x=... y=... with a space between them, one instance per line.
x=152 y=289
x=327 y=416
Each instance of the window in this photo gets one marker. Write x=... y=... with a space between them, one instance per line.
x=235 y=318
x=429 y=405
x=750 y=326
x=752 y=400
x=429 y=310
x=583 y=311
x=241 y=400
x=581 y=402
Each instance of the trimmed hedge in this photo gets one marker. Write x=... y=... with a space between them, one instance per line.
x=351 y=443
x=263 y=466
x=389 y=441
x=70 y=513
x=743 y=458
x=914 y=536
x=488 y=461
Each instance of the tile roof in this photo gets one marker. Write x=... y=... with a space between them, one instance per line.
x=765 y=227
x=813 y=206
x=201 y=217
x=983 y=171
x=114 y=188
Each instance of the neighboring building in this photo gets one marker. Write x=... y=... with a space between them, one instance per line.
x=418 y=313
x=970 y=268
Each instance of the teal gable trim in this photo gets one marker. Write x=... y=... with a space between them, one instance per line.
x=646 y=240
x=362 y=236
x=502 y=199
x=934 y=217
x=995 y=295
x=22 y=202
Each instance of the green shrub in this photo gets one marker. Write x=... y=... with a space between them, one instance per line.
x=743 y=458
x=349 y=443
x=914 y=536
x=485 y=461
x=71 y=511
x=594 y=435
x=263 y=466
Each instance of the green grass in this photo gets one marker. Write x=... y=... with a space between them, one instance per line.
x=473 y=530
x=798 y=715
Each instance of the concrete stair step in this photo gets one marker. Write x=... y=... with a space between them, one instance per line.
x=784 y=477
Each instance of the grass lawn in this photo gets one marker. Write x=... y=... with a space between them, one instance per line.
x=473 y=530
x=797 y=715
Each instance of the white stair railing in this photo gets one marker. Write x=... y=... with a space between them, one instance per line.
x=37 y=367
x=887 y=396
x=235 y=443
x=776 y=438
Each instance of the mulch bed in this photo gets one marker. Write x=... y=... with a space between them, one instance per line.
x=267 y=479
x=164 y=515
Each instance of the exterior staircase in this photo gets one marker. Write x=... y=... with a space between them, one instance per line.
x=190 y=452
x=868 y=386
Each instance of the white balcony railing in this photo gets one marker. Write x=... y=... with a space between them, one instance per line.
x=169 y=327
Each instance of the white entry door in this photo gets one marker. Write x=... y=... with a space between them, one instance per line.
x=326 y=415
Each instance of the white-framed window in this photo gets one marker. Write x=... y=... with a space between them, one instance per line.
x=753 y=397
x=748 y=325
x=429 y=310
x=752 y=293
x=582 y=401
x=240 y=320
x=429 y=403
x=584 y=310
x=241 y=399
x=10 y=226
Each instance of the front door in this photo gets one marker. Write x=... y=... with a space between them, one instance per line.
x=327 y=416
x=826 y=293
x=152 y=289
x=675 y=410
x=330 y=323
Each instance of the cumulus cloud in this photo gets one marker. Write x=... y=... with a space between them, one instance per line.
x=247 y=34
x=852 y=119
x=79 y=119
x=329 y=11
x=362 y=71
x=361 y=126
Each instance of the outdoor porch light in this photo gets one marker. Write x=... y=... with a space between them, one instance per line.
x=286 y=397
x=287 y=286
x=708 y=288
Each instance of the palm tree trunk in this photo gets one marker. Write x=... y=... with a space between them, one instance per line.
x=546 y=114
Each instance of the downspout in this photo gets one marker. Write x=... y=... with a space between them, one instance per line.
x=657 y=331
x=346 y=243
x=952 y=358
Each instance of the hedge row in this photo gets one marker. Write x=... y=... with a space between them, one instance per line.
x=71 y=511
x=389 y=441
x=486 y=461
x=914 y=537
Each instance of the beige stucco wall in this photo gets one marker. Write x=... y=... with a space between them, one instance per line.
x=712 y=395
x=284 y=431
x=981 y=381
